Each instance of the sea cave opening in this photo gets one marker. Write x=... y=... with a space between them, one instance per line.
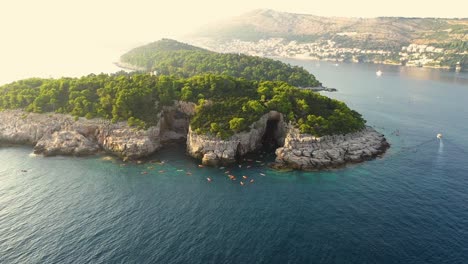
x=270 y=137
x=174 y=126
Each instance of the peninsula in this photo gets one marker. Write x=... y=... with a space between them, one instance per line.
x=221 y=117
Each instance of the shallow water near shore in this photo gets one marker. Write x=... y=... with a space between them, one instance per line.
x=407 y=207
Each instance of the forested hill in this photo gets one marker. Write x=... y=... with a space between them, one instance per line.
x=170 y=57
x=225 y=105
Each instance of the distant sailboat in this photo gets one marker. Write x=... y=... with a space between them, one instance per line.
x=378 y=73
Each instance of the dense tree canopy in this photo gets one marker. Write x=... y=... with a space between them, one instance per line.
x=225 y=104
x=169 y=57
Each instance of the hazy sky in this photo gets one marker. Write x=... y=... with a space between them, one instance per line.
x=62 y=37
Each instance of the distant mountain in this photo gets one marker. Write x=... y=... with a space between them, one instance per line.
x=381 y=32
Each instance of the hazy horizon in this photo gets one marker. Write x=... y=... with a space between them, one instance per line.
x=52 y=38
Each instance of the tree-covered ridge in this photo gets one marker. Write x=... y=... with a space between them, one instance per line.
x=169 y=57
x=225 y=104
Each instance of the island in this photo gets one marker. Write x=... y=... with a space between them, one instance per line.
x=220 y=117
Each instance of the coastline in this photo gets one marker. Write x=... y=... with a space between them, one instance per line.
x=53 y=134
x=374 y=62
x=128 y=66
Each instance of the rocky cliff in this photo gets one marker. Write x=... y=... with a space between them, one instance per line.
x=306 y=152
x=297 y=151
x=58 y=134
x=215 y=151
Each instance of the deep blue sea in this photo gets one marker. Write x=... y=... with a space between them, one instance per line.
x=411 y=206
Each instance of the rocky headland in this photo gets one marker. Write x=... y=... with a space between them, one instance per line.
x=295 y=150
x=306 y=152
x=60 y=134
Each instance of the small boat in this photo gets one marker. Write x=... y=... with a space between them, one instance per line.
x=200 y=166
x=144 y=172
x=439 y=136
x=221 y=168
x=240 y=166
x=189 y=173
x=252 y=180
x=262 y=174
x=245 y=177
x=242 y=183
x=248 y=167
x=161 y=171
x=208 y=179
x=232 y=177
x=379 y=73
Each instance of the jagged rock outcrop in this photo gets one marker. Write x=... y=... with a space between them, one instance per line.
x=306 y=152
x=215 y=151
x=129 y=143
x=59 y=134
x=65 y=143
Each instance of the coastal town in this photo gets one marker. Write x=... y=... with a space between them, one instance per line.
x=417 y=55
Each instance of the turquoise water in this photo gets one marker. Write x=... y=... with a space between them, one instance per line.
x=408 y=207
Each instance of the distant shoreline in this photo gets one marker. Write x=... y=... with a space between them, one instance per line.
x=128 y=66
x=376 y=63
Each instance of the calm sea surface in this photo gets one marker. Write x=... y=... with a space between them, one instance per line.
x=411 y=206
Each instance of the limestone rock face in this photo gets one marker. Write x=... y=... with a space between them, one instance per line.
x=129 y=143
x=65 y=143
x=18 y=127
x=213 y=150
x=59 y=134
x=306 y=152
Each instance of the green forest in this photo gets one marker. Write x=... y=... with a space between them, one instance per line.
x=225 y=104
x=169 y=57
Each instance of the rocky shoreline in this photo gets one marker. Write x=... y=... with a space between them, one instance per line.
x=59 y=134
x=305 y=152
x=320 y=89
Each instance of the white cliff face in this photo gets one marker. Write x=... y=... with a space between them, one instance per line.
x=65 y=143
x=20 y=128
x=215 y=151
x=58 y=134
x=129 y=143
x=306 y=152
